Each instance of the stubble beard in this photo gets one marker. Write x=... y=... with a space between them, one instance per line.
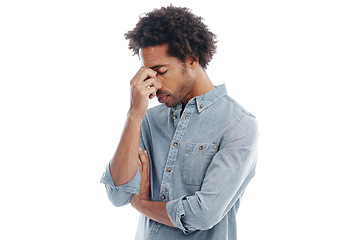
x=183 y=90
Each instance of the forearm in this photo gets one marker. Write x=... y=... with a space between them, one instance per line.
x=154 y=210
x=124 y=164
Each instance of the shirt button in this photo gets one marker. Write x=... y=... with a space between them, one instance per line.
x=201 y=106
x=169 y=169
x=163 y=197
x=176 y=144
x=201 y=147
x=186 y=116
x=174 y=117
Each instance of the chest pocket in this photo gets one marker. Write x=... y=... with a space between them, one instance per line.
x=197 y=159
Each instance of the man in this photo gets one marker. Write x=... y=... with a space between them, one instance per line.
x=185 y=163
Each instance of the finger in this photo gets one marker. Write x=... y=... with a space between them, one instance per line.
x=142 y=75
x=144 y=160
x=148 y=82
x=146 y=154
x=140 y=166
x=151 y=92
x=147 y=165
x=139 y=161
x=151 y=82
x=153 y=86
x=142 y=157
x=149 y=73
x=156 y=84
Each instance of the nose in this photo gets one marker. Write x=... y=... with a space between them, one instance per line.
x=159 y=84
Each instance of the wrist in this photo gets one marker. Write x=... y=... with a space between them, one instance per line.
x=134 y=115
x=135 y=201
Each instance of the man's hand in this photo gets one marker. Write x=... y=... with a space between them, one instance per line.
x=153 y=210
x=143 y=87
x=144 y=166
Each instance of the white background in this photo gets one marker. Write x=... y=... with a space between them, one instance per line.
x=65 y=71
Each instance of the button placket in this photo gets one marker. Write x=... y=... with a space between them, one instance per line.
x=176 y=143
x=175 y=115
x=154 y=229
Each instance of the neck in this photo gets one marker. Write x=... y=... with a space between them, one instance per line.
x=202 y=84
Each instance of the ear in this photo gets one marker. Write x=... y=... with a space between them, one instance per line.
x=192 y=62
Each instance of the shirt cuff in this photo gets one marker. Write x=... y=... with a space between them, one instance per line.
x=176 y=212
x=130 y=187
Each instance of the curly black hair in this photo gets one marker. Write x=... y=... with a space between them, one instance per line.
x=185 y=33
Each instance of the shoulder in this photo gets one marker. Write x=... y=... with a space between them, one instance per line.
x=242 y=130
x=230 y=109
x=241 y=110
x=240 y=121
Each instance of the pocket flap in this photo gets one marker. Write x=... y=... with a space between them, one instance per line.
x=201 y=148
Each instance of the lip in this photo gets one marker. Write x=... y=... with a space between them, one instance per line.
x=162 y=98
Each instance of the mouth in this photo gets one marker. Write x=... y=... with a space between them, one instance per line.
x=162 y=98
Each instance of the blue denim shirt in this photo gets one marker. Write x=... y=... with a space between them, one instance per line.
x=201 y=162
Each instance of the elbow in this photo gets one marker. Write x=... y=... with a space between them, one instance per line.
x=119 y=202
x=118 y=198
x=205 y=221
x=190 y=215
x=200 y=216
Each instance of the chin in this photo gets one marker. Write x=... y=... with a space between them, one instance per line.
x=170 y=104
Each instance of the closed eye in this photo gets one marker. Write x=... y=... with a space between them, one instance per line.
x=161 y=73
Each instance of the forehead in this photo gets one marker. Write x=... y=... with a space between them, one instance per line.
x=155 y=55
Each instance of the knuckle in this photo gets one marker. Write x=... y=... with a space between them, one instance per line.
x=150 y=80
x=139 y=89
x=142 y=69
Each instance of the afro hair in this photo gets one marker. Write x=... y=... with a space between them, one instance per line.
x=185 y=34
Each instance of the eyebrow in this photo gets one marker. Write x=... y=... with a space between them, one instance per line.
x=157 y=66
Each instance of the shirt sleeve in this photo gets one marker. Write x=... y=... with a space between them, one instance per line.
x=230 y=171
x=120 y=195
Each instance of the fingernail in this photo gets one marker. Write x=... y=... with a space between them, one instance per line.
x=140 y=149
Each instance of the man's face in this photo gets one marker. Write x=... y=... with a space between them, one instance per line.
x=174 y=76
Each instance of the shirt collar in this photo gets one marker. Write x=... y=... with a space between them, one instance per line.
x=207 y=99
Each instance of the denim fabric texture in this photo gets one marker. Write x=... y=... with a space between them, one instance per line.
x=201 y=163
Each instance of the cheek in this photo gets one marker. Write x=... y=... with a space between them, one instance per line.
x=173 y=83
x=169 y=84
